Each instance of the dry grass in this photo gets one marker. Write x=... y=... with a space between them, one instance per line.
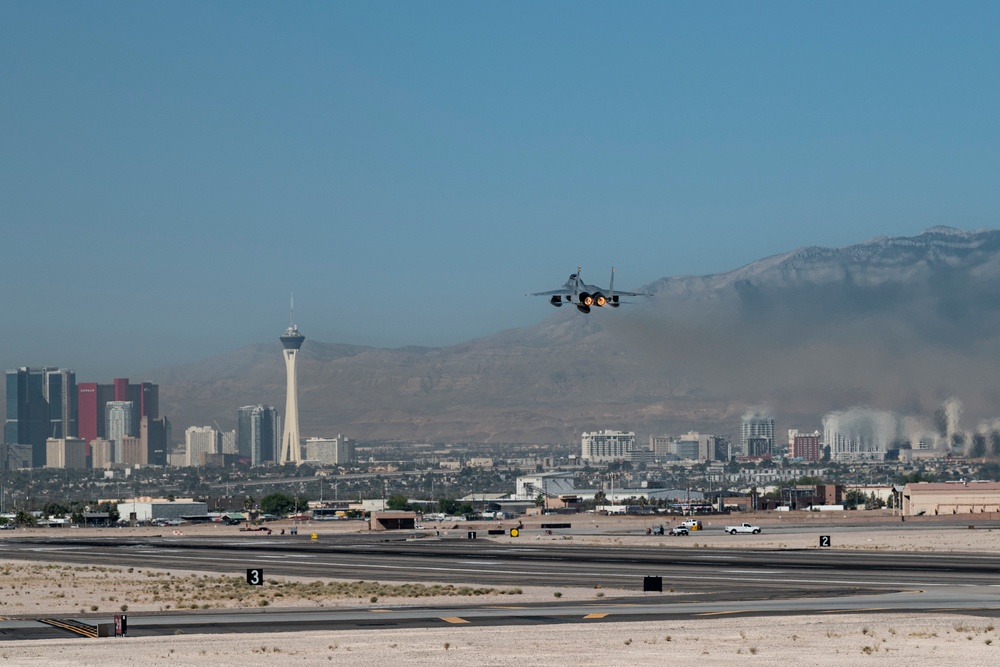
x=45 y=587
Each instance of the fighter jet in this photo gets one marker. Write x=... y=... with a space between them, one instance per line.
x=585 y=296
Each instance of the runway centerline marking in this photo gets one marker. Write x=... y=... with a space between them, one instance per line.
x=453 y=619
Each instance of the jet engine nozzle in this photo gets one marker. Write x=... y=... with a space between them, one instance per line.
x=586 y=299
x=600 y=299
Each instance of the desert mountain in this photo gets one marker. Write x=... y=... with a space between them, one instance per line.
x=893 y=323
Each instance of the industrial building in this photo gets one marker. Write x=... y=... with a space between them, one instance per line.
x=943 y=498
x=152 y=509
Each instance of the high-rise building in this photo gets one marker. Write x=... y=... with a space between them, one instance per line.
x=92 y=400
x=291 y=443
x=65 y=453
x=330 y=451
x=200 y=440
x=806 y=447
x=27 y=418
x=606 y=446
x=228 y=442
x=659 y=445
x=756 y=426
x=14 y=456
x=695 y=446
x=132 y=452
x=153 y=434
x=257 y=429
x=102 y=453
x=59 y=388
x=118 y=417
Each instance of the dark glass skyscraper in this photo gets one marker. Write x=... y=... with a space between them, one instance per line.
x=60 y=399
x=257 y=429
x=27 y=421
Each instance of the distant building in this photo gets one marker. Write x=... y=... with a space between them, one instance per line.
x=118 y=417
x=723 y=449
x=154 y=434
x=859 y=434
x=59 y=389
x=228 y=442
x=200 y=440
x=66 y=453
x=102 y=453
x=758 y=447
x=756 y=426
x=27 y=414
x=694 y=446
x=223 y=460
x=607 y=446
x=330 y=451
x=92 y=400
x=14 y=456
x=807 y=447
x=257 y=429
x=132 y=452
x=659 y=445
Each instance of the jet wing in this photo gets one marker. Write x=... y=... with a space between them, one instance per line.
x=555 y=292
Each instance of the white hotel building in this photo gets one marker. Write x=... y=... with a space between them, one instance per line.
x=607 y=446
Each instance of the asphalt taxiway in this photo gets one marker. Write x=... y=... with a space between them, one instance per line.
x=703 y=582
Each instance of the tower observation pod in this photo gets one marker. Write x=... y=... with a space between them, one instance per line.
x=291 y=449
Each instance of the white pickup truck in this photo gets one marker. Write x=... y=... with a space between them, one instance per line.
x=743 y=528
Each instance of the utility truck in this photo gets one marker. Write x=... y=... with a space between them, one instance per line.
x=743 y=528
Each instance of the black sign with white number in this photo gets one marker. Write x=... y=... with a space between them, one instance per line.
x=824 y=540
x=255 y=576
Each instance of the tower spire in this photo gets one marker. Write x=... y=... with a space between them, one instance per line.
x=291 y=341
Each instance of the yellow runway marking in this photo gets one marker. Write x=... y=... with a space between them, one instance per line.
x=73 y=626
x=453 y=619
x=854 y=611
x=380 y=611
x=595 y=615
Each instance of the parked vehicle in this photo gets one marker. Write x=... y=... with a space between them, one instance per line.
x=679 y=530
x=743 y=528
x=692 y=524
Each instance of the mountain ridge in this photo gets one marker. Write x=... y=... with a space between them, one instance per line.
x=898 y=323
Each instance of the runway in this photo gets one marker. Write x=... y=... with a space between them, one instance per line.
x=704 y=582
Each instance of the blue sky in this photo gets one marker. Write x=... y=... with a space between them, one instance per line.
x=170 y=172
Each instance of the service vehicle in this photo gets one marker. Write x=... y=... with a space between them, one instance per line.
x=743 y=528
x=679 y=530
x=692 y=524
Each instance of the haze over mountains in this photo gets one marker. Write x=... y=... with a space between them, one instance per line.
x=893 y=323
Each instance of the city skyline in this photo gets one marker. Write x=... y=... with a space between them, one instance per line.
x=429 y=192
